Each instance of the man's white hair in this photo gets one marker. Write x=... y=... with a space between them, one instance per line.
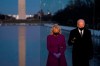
x=80 y=20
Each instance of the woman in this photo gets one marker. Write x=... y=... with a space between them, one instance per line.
x=56 y=46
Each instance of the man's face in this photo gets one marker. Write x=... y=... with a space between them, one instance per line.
x=80 y=24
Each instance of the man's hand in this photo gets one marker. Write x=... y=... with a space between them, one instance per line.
x=73 y=40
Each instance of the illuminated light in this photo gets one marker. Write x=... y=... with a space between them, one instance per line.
x=48 y=12
x=17 y=17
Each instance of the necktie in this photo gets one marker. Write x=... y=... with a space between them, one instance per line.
x=81 y=33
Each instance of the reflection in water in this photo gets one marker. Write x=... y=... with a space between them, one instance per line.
x=36 y=51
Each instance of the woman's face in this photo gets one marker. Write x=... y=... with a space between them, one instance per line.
x=56 y=30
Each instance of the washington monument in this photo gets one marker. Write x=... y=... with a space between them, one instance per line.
x=21 y=9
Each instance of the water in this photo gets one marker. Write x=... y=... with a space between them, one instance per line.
x=9 y=46
x=36 y=50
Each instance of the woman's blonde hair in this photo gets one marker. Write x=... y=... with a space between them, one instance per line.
x=55 y=26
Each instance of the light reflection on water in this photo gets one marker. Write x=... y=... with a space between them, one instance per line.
x=41 y=33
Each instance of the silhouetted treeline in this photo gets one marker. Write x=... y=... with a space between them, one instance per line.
x=5 y=17
x=2 y=16
x=97 y=14
x=73 y=12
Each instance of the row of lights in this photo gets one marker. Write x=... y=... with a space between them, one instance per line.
x=17 y=17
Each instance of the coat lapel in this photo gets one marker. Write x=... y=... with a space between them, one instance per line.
x=78 y=34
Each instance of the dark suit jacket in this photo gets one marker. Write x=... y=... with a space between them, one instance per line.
x=82 y=46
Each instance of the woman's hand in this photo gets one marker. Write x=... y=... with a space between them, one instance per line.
x=57 y=55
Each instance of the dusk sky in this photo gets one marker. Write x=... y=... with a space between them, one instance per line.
x=32 y=6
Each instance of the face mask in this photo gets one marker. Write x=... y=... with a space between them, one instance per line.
x=81 y=28
x=55 y=33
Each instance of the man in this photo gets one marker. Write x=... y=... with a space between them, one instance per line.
x=81 y=40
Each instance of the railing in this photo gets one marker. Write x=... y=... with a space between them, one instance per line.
x=95 y=33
